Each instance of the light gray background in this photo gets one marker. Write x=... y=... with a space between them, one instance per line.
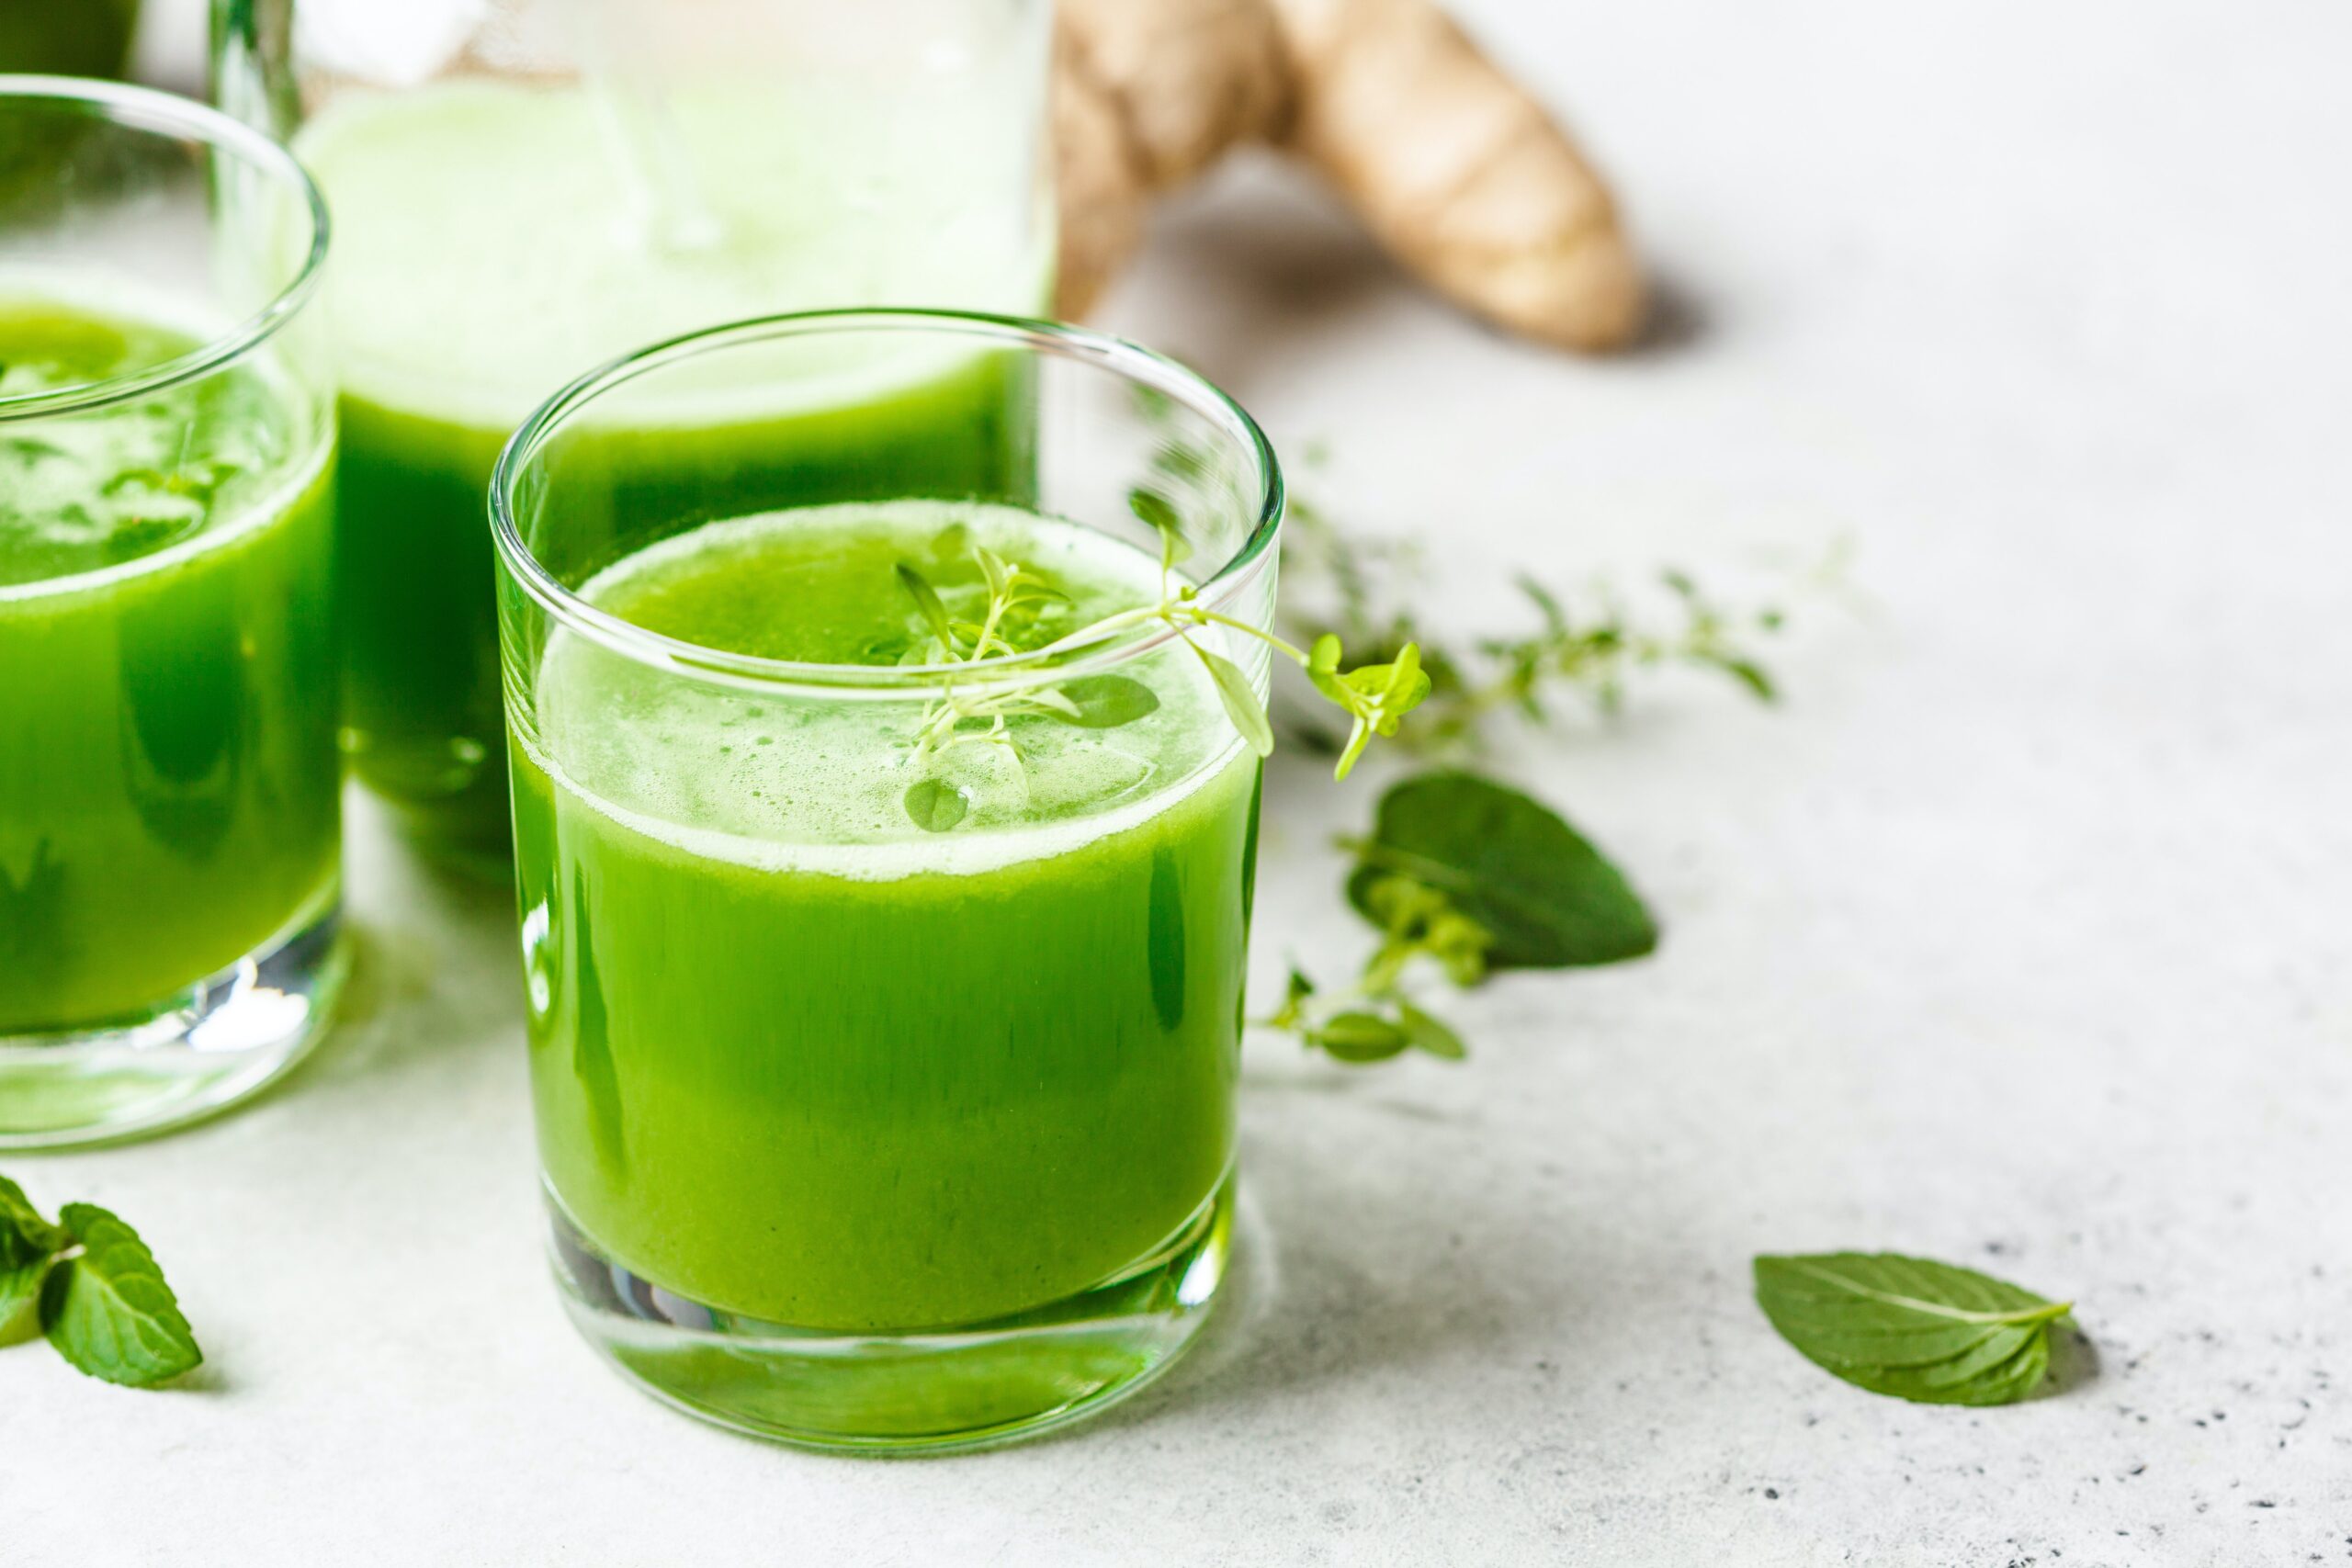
x=2016 y=937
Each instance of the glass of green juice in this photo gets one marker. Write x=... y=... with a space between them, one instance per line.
x=168 y=770
x=524 y=188
x=885 y=973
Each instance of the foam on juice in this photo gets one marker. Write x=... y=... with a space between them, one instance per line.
x=93 y=496
x=795 y=783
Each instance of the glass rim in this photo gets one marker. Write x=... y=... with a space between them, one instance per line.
x=168 y=114
x=1134 y=363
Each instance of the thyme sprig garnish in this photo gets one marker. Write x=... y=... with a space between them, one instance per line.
x=1590 y=644
x=1376 y=697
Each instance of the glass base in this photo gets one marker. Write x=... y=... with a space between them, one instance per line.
x=928 y=1392
x=218 y=1043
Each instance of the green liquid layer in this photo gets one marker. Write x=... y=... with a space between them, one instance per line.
x=168 y=772
x=796 y=1058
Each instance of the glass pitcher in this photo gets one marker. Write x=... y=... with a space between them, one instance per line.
x=523 y=189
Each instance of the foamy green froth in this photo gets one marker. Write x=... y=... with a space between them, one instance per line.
x=820 y=784
x=88 y=490
x=491 y=241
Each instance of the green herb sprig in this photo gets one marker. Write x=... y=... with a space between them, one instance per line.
x=1590 y=645
x=1376 y=697
x=1378 y=1021
x=1931 y=1333
x=100 y=1296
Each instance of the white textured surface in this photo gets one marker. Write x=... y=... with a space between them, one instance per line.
x=2019 y=936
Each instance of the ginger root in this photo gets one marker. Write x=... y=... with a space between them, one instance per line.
x=1451 y=165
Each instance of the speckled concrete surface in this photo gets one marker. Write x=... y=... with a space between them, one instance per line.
x=2019 y=936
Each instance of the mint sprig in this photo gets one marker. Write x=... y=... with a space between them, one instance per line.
x=1931 y=1333
x=102 y=1299
x=1546 y=896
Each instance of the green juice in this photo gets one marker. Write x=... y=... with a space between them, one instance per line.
x=67 y=38
x=168 y=773
x=798 y=1060
x=491 y=244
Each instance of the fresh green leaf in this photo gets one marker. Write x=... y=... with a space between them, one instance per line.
x=1159 y=513
x=1546 y=897
x=935 y=806
x=1933 y=1332
x=998 y=576
x=27 y=1242
x=1240 y=699
x=1429 y=1033
x=1295 y=992
x=1747 y=672
x=1106 y=701
x=24 y=1233
x=21 y=1287
x=108 y=1309
x=1380 y=695
x=1323 y=668
x=1385 y=692
x=927 y=600
x=1360 y=1037
x=1419 y=921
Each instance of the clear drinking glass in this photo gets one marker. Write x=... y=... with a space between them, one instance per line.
x=168 y=771
x=524 y=188
x=883 y=1052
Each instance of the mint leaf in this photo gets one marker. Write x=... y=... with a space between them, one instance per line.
x=27 y=1242
x=1539 y=892
x=19 y=1286
x=1932 y=1333
x=109 y=1311
x=23 y=1234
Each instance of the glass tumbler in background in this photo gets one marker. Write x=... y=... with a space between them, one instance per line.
x=884 y=993
x=524 y=188
x=168 y=771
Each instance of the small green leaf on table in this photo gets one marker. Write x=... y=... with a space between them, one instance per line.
x=1932 y=1333
x=1431 y=1034
x=108 y=1310
x=1360 y=1037
x=27 y=1242
x=1543 y=893
x=23 y=1234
